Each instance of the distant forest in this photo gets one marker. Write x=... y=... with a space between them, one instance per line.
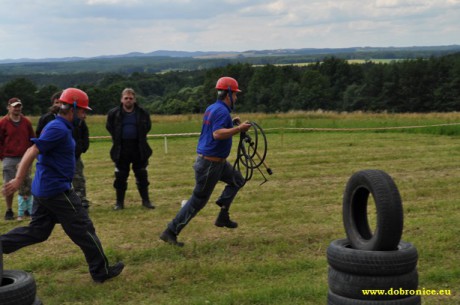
x=429 y=84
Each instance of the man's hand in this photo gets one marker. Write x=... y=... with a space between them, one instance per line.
x=236 y=121
x=11 y=187
x=244 y=126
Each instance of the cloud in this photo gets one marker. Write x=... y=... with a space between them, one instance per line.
x=52 y=28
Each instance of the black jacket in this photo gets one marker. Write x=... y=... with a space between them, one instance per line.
x=81 y=136
x=44 y=119
x=114 y=126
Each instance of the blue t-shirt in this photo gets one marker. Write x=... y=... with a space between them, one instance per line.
x=217 y=116
x=55 y=167
x=129 y=126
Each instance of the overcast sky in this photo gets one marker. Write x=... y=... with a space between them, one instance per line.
x=86 y=28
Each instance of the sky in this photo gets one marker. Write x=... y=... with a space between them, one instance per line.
x=87 y=28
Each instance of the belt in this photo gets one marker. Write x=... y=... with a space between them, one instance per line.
x=213 y=159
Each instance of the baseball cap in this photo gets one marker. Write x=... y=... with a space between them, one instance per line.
x=14 y=102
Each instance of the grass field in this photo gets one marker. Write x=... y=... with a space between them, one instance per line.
x=278 y=253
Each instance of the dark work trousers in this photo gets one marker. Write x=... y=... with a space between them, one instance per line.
x=130 y=155
x=207 y=174
x=66 y=209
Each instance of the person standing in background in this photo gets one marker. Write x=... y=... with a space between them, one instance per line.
x=25 y=198
x=81 y=136
x=15 y=134
x=51 y=114
x=129 y=124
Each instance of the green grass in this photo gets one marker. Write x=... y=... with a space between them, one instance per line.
x=278 y=253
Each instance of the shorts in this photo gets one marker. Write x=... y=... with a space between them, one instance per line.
x=10 y=167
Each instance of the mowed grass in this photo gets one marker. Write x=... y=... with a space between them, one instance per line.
x=277 y=255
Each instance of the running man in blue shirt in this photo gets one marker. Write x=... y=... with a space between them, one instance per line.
x=55 y=201
x=211 y=165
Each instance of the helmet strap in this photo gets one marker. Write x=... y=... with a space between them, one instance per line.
x=230 y=95
x=75 y=115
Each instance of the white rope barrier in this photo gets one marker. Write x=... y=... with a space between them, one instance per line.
x=360 y=129
x=188 y=134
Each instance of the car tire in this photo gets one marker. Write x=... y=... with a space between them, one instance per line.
x=17 y=288
x=343 y=257
x=389 y=224
x=352 y=285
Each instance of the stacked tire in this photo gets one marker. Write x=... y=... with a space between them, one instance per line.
x=16 y=287
x=372 y=266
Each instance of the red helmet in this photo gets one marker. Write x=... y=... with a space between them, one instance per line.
x=226 y=83
x=74 y=95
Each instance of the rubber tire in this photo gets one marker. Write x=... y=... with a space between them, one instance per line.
x=389 y=225
x=334 y=299
x=17 y=288
x=351 y=285
x=341 y=256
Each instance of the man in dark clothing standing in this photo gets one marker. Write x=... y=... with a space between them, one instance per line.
x=51 y=114
x=81 y=136
x=54 y=199
x=129 y=124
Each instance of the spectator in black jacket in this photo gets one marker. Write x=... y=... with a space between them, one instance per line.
x=80 y=134
x=129 y=124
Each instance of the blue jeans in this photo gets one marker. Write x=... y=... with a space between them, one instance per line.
x=207 y=174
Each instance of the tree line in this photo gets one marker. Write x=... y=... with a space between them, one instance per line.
x=412 y=85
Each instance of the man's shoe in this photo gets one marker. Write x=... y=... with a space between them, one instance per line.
x=9 y=215
x=223 y=220
x=147 y=204
x=118 y=206
x=170 y=238
x=114 y=271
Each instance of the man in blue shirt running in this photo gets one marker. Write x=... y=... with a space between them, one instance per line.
x=55 y=201
x=211 y=165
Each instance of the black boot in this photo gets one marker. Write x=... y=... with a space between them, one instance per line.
x=171 y=238
x=120 y=204
x=223 y=220
x=144 y=192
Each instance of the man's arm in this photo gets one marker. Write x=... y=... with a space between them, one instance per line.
x=225 y=133
x=109 y=123
x=23 y=167
x=2 y=139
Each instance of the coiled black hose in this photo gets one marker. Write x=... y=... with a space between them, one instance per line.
x=251 y=152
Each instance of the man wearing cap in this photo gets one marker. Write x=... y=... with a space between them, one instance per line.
x=15 y=134
x=55 y=201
